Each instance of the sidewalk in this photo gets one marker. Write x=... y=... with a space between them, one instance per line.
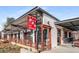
x=62 y=49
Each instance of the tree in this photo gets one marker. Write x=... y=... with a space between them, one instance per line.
x=9 y=21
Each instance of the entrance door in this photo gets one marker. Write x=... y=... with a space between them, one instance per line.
x=47 y=38
x=43 y=37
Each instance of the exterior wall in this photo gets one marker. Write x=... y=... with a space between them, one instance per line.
x=51 y=21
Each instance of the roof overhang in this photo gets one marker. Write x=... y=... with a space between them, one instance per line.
x=27 y=13
x=72 y=24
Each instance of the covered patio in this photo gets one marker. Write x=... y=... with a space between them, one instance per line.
x=69 y=31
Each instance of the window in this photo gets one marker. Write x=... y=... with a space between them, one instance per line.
x=28 y=35
x=70 y=34
x=65 y=34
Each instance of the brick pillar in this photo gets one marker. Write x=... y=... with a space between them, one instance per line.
x=35 y=40
x=62 y=37
x=42 y=40
x=49 y=38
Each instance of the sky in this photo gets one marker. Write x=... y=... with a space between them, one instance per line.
x=60 y=12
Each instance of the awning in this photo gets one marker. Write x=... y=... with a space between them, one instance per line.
x=72 y=24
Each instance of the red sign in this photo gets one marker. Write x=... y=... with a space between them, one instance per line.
x=32 y=22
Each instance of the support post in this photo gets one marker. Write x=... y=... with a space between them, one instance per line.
x=13 y=38
x=49 y=38
x=2 y=35
x=22 y=36
x=62 y=37
x=17 y=37
x=8 y=37
x=35 y=41
x=42 y=40
x=33 y=35
x=67 y=34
